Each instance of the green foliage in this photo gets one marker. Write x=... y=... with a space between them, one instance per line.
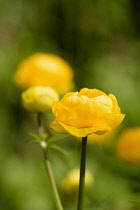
x=39 y=138
x=58 y=148
x=101 y=41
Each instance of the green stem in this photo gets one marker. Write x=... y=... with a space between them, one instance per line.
x=82 y=174
x=48 y=165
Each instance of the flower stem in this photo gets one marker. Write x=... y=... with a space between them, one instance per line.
x=48 y=165
x=82 y=174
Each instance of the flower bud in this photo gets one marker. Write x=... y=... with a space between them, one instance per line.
x=39 y=99
x=71 y=181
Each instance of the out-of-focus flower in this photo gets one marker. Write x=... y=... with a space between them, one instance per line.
x=128 y=148
x=39 y=99
x=45 y=70
x=71 y=181
x=86 y=112
x=103 y=139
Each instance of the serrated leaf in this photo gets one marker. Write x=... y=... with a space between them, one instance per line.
x=58 y=148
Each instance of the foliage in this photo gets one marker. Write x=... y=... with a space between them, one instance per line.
x=101 y=41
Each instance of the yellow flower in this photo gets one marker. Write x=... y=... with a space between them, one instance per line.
x=86 y=112
x=45 y=70
x=39 y=99
x=128 y=148
x=71 y=181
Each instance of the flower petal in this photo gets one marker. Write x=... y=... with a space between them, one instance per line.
x=57 y=127
x=82 y=132
x=82 y=116
x=60 y=112
x=91 y=93
x=88 y=114
x=115 y=107
x=71 y=101
x=114 y=120
x=104 y=100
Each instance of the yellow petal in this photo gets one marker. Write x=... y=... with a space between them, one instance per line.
x=88 y=114
x=91 y=93
x=60 y=112
x=82 y=132
x=115 y=107
x=72 y=101
x=102 y=109
x=84 y=115
x=57 y=127
x=114 y=120
x=54 y=106
x=104 y=100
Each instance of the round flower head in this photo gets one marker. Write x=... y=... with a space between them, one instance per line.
x=39 y=99
x=86 y=112
x=45 y=70
x=71 y=181
x=128 y=148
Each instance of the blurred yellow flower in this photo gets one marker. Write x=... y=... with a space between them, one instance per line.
x=86 y=112
x=128 y=148
x=103 y=139
x=39 y=99
x=71 y=181
x=43 y=69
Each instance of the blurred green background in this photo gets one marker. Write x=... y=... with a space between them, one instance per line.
x=101 y=41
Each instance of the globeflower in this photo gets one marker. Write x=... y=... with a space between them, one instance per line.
x=39 y=99
x=86 y=112
x=71 y=181
x=128 y=148
x=43 y=69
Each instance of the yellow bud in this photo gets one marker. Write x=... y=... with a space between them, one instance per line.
x=71 y=181
x=39 y=99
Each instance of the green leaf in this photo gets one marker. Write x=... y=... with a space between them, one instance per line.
x=54 y=139
x=34 y=135
x=44 y=137
x=31 y=141
x=58 y=148
x=39 y=138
